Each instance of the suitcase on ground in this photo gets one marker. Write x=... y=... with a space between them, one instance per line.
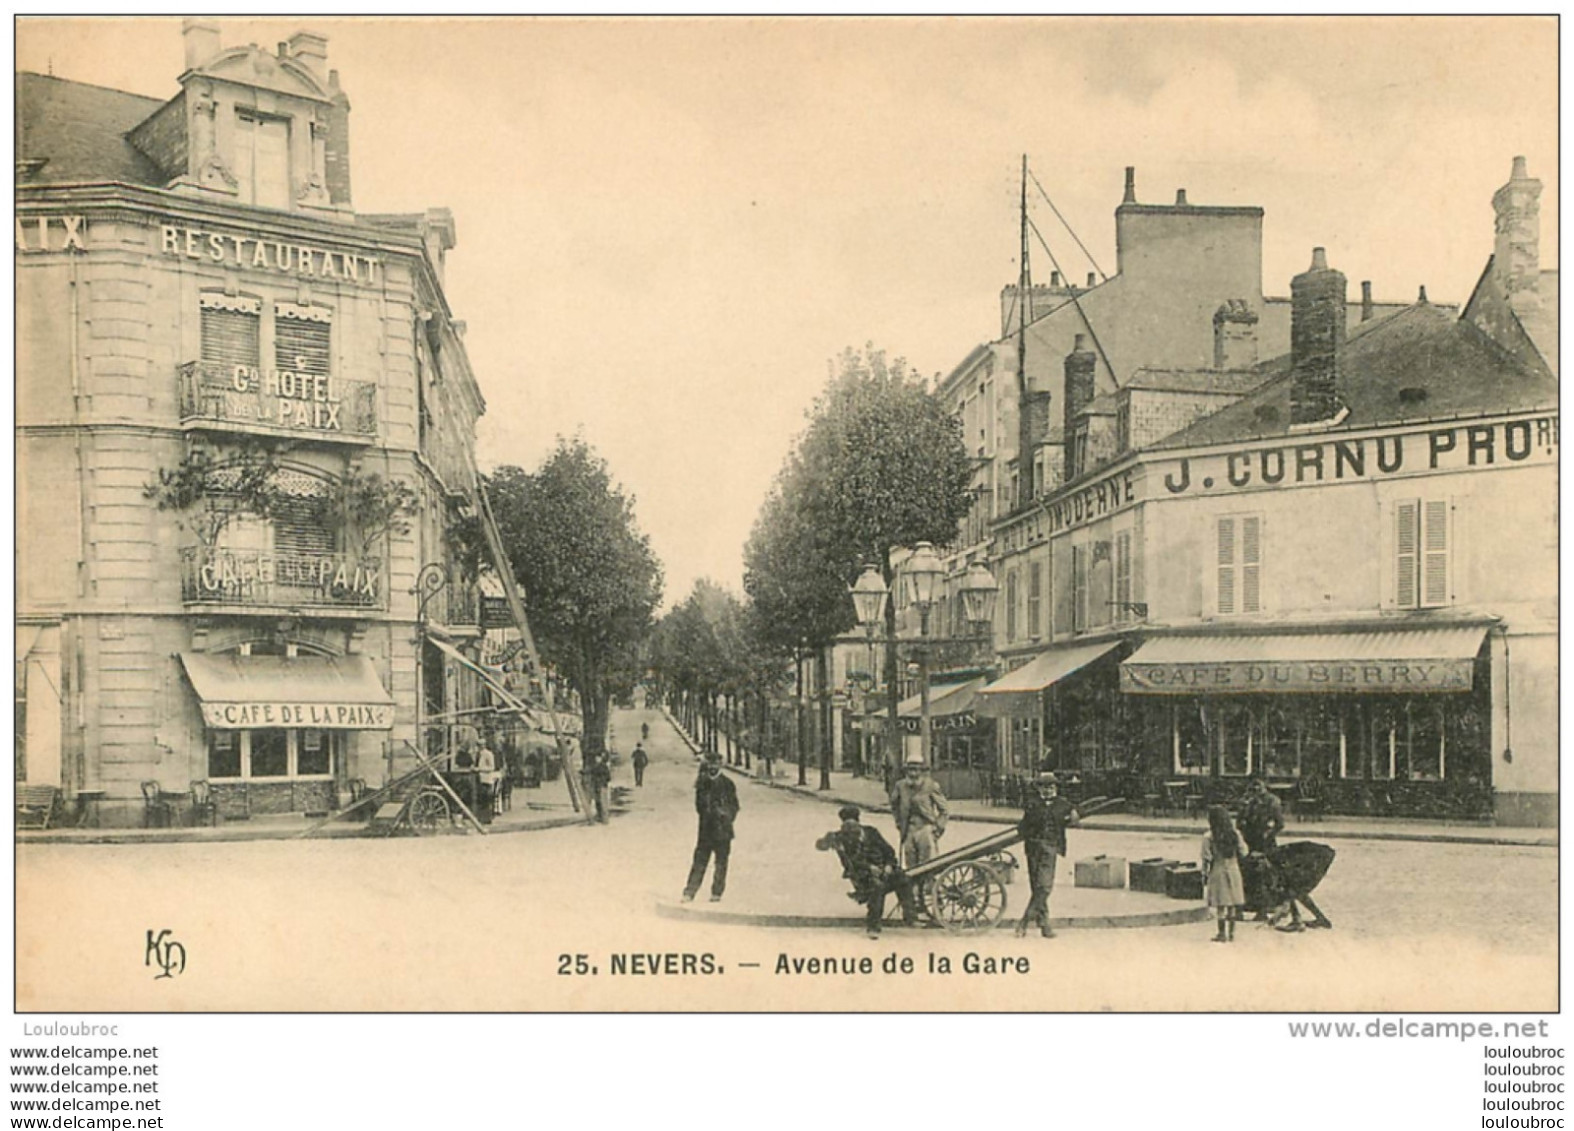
x=1101 y=872
x=1148 y=875
x=1183 y=881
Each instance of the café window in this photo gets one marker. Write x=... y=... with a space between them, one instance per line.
x=231 y=329
x=1233 y=731
x=262 y=159
x=1239 y=544
x=1191 y=737
x=1279 y=751
x=271 y=753
x=1422 y=540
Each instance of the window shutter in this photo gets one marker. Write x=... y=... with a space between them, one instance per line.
x=1434 y=548
x=1035 y=582
x=302 y=339
x=1251 y=564
x=1226 y=566
x=230 y=336
x=1407 y=537
x=1122 y=574
x=1079 y=583
x=301 y=527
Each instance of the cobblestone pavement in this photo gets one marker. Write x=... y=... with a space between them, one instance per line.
x=477 y=923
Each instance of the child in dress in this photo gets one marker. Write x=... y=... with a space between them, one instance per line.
x=1221 y=871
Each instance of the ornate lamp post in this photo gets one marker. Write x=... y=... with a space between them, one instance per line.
x=924 y=571
x=432 y=580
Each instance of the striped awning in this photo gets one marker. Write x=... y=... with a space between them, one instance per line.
x=1017 y=694
x=1388 y=661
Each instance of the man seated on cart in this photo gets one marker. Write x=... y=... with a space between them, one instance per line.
x=871 y=864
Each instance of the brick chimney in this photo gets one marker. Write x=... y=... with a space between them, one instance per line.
x=1517 y=250
x=1081 y=368
x=311 y=50
x=336 y=147
x=1366 y=300
x=1317 y=331
x=1234 y=335
x=201 y=39
x=1131 y=185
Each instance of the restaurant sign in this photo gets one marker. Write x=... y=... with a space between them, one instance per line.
x=232 y=249
x=1299 y=676
x=278 y=713
x=939 y=724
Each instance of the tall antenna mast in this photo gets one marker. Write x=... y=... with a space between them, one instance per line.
x=1024 y=315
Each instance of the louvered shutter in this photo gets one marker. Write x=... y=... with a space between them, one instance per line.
x=1407 y=537
x=1035 y=595
x=301 y=527
x=1251 y=564
x=1226 y=566
x=1122 y=574
x=1079 y=582
x=1434 y=553
x=302 y=339
x=231 y=332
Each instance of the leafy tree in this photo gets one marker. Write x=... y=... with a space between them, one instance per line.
x=591 y=581
x=882 y=465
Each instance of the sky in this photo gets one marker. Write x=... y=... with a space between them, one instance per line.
x=667 y=228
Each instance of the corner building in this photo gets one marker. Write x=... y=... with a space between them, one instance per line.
x=197 y=299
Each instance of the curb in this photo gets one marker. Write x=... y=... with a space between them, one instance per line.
x=197 y=836
x=1177 y=917
x=1097 y=825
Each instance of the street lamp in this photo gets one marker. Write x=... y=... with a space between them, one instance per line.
x=979 y=589
x=923 y=573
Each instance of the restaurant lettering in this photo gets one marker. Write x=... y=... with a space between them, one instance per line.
x=1497 y=444
x=50 y=233
x=1096 y=500
x=226 y=572
x=259 y=254
x=1297 y=676
x=342 y=716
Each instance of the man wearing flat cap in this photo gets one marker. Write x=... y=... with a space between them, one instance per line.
x=920 y=811
x=870 y=863
x=1045 y=816
x=716 y=801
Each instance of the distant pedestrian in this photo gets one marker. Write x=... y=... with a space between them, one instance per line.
x=1221 y=871
x=639 y=759
x=644 y=732
x=870 y=863
x=1045 y=817
x=487 y=780
x=716 y=802
x=921 y=812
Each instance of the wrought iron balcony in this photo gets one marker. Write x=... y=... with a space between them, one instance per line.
x=278 y=403
x=283 y=580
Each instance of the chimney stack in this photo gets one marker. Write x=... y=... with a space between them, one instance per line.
x=1317 y=331
x=1516 y=254
x=1054 y=278
x=1092 y=280
x=201 y=39
x=1366 y=300
x=1081 y=370
x=310 y=49
x=1180 y=198
x=1234 y=336
x=1131 y=185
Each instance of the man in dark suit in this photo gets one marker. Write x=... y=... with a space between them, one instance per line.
x=870 y=863
x=1045 y=816
x=716 y=802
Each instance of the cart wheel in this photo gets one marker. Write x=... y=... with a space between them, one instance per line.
x=967 y=896
x=428 y=813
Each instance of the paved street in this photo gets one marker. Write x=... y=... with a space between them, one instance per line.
x=479 y=923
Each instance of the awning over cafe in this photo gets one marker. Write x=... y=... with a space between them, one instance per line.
x=322 y=692
x=1391 y=661
x=506 y=698
x=1016 y=694
x=951 y=707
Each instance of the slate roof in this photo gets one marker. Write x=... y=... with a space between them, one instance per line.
x=79 y=131
x=1222 y=381
x=1462 y=371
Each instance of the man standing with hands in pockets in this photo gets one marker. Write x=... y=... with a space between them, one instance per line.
x=920 y=811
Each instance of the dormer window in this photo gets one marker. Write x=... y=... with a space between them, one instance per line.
x=262 y=159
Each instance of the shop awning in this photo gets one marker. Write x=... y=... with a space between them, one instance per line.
x=325 y=692
x=950 y=708
x=506 y=698
x=1404 y=661
x=1016 y=694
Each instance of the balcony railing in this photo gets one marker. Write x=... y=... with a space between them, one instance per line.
x=262 y=579
x=277 y=402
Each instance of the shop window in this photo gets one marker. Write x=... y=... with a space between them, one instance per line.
x=223 y=754
x=1035 y=598
x=262 y=160
x=231 y=330
x=1422 y=570
x=1234 y=733
x=1383 y=723
x=270 y=754
x=1090 y=750
x=1191 y=738
x=303 y=338
x=1279 y=753
x=1239 y=544
x=313 y=756
x=1321 y=739
x=1419 y=743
